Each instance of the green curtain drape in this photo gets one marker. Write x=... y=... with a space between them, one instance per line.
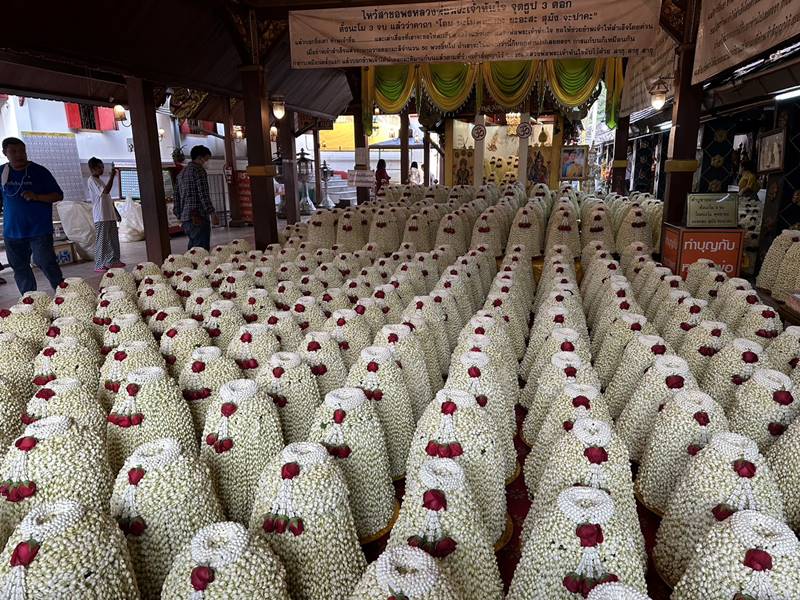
x=448 y=85
x=394 y=86
x=574 y=80
x=614 y=80
x=510 y=82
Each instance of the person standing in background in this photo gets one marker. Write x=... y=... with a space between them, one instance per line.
x=29 y=192
x=381 y=176
x=106 y=251
x=193 y=205
x=415 y=175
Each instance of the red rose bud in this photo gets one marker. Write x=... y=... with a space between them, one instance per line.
x=596 y=455
x=280 y=524
x=344 y=345
x=137 y=418
x=290 y=470
x=135 y=475
x=45 y=394
x=172 y=333
x=658 y=349
x=706 y=351
x=590 y=535
x=132 y=389
x=372 y=367
x=693 y=449
x=694 y=309
x=211 y=439
x=558 y=319
x=434 y=500
x=482 y=400
x=674 y=382
x=636 y=326
x=702 y=418
x=227 y=409
x=567 y=425
x=474 y=372
x=313 y=346
x=201 y=577
x=338 y=416
x=444 y=547
x=570 y=371
x=296 y=526
x=775 y=429
x=49 y=351
x=744 y=468
x=455 y=449
x=737 y=379
x=448 y=407
x=567 y=347
x=415 y=541
x=768 y=314
x=581 y=401
x=782 y=397
x=223 y=445
x=53 y=332
x=114 y=329
x=574 y=583
x=26 y=443
x=722 y=511
x=246 y=338
x=24 y=553
x=749 y=357
x=757 y=560
x=216 y=313
x=432 y=449
x=5 y=313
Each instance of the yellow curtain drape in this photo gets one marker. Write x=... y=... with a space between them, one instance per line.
x=574 y=80
x=448 y=85
x=510 y=82
x=614 y=79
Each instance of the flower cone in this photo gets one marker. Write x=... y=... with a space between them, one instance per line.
x=782 y=460
x=293 y=389
x=764 y=406
x=286 y=329
x=66 y=549
x=680 y=431
x=351 y=332
x=349 y=428
x=252 y=349
x=619 y=334
x=201 y=379
x=127 y=357
x=730 y=368
x=156 y=483
x=66 y=357
x=783 y=353
x=695 y=273
x=76 y=285
x=69 y=398
x=16 y=364
x=26 y=322
x=701 y=343
x=774 y=258
x=302 y=511
x=761 y=324
x=148 y=407
x=179 y=341
x=127 y=327
x=39 y=300
x=120 y=278
x=727 y=476
x=75 y=328
x=222 y=321
x=409 y=353
x=200 y=302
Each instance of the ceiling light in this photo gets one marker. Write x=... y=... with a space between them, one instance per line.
x=795 y=93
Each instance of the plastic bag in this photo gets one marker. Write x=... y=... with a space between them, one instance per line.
x=78 y=223
x=131 y=229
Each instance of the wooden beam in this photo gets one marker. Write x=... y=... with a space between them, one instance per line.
x=362 y=193
x=235 y=216
x=289 y=167
x=405 y=126
x=148 y=168
x=259 y=156
x=426 y=148
x=317 y=166
x=619 y=165
x=682 y=150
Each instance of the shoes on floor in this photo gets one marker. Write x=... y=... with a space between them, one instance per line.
x=101 y=270
x=117 y=265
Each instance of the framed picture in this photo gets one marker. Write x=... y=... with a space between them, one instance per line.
x=771 y=151
x=574 y=163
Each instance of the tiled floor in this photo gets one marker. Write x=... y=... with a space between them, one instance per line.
x=132 y=253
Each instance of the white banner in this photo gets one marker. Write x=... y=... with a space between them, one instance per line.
x=642 y=73
x=733 y=31
x=472 y=31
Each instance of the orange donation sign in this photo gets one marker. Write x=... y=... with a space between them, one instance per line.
x=683 y=246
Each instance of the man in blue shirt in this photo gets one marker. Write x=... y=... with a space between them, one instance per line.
x=29 y=191
x=193 y=205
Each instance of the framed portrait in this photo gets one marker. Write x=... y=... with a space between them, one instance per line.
x=574 y=163
x=771 y=151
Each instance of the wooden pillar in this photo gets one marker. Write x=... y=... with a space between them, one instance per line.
x=522 y=154
x=405 y=126
x=289 y=167
x=426 y=148
x=619 y=164
x=259 y=156
x=682 y=150
x=362 y=153
x=235 y=216
x=317 y=167
x=480 y=150
x=148 y=168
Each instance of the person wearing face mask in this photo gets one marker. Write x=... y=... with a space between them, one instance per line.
x=193 y=206
x=29 y=191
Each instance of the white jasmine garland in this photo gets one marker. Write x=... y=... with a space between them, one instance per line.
x=620 y=332
x=683 y=428
x=16 y=364
x=456 y=426
x=125 y=328
x=585 y=542
x=242 y=432
x=164 y=319
x=200 y=301
x=378 y=374
x=730 y=368
x=752 y=553
x=440 y=516
x=158 y=481
x=783 y=353
x=40 y=558
x=222 y=320
x=301 y=509
x=763 y=407
x=127 y=357
x=39 y=300
x=347 y=425
x=668 y=375
x=201 y=379
x=293 y=390
x=729 y=475
x=24 y=321
x=66 y=358
x=616 y=591
x=148 y=407
x=409 y=353
x=67 y=397
x=76 y=285
x=701 y=343
x=179 y=341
